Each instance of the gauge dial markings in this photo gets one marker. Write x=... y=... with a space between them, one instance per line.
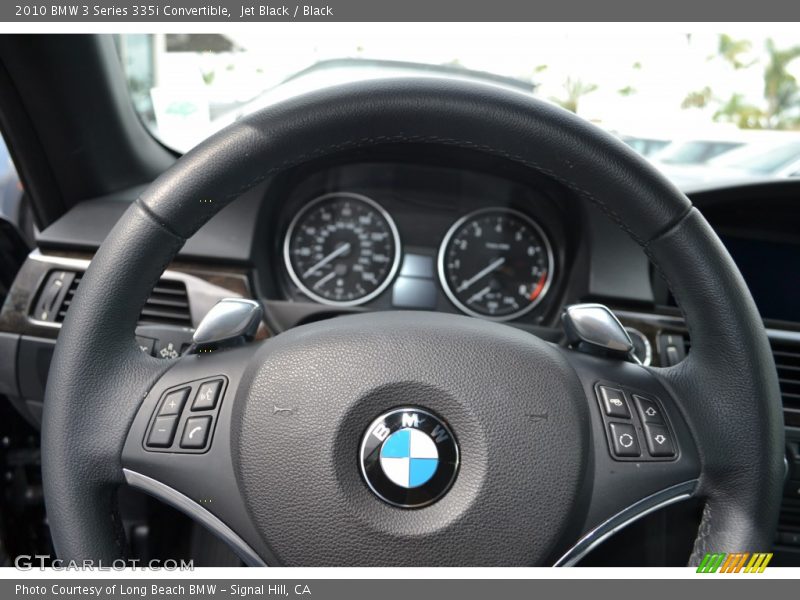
x=504 y=250
x=342 y=249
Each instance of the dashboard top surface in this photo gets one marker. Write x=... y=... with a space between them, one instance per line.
x=591 y=258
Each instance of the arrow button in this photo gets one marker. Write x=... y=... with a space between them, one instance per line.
x=649 y=410
x=659 y=441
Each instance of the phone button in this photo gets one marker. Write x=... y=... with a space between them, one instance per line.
x=195 y=432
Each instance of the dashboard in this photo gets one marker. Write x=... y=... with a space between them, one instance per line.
x=455 y=234
x=760 y=228
x=762 y=235
x=382 y=234
x=770 y=269
x=388 y=235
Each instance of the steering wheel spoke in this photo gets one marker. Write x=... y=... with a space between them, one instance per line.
x=178 y=448
x=643 y=456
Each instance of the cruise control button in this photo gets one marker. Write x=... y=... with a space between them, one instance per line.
x=659 y=441
x=195 y=432
x=162 y=432
x=614 y=402
x=173 y=403
x=648 y=410
x=167 y=349
x=146 y=344
x=623 y=439
x=207 y=395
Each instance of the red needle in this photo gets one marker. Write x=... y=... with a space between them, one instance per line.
x=539 y=287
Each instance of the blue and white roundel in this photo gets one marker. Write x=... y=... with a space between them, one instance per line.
x=409 y=457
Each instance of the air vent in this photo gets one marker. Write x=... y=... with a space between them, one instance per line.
x=62 y=309
x=787 y=360
x=790 y=514
x=167 y=305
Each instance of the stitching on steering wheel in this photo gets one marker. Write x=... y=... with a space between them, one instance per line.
x=654 y=262
x=158 y=220
x=700 y=546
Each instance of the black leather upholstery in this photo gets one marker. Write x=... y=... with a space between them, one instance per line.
x=96 y=376
x=727 y=389
x=96 y=381
x=513 y=497
x=484 y=118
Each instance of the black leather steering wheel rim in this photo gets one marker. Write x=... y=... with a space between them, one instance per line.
x=726 y=388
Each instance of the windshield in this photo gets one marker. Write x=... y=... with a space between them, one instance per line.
x=661 y=93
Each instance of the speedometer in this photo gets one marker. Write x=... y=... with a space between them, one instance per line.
x=342 y=249
x=496 y=263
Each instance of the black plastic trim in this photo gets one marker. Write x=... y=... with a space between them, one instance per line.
x=652 y=503
x=189 y=507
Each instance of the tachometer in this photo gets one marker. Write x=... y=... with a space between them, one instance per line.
x=342 y=249
x=496 y=263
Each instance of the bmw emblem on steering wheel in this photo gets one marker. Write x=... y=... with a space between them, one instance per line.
x=409 y=457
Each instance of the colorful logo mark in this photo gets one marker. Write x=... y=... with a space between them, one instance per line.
x=737 y=562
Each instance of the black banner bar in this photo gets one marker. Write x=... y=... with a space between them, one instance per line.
x=243 y=11
x=732 y=587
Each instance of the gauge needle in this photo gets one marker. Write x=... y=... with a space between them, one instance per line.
x=338 y=252
x=325 y=279
x=482 y=273
x=478 y=295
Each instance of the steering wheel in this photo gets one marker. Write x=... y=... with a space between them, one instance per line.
x=532 y=465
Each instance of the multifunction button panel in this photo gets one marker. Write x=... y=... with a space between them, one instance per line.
x=636 y=425
x=185 y=416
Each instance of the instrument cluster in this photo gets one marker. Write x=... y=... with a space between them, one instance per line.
x=472 y=243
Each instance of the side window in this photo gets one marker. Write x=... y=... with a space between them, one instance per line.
x=16 y=222
x=14 y=208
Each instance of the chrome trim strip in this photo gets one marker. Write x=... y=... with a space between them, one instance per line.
x=648 y=347
x=75 y=263
x=661 y=320
x=184 y=504
x=69 y=263
x=655 y=319
x=783 y=335
x=202 y=295
x=645 y=506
